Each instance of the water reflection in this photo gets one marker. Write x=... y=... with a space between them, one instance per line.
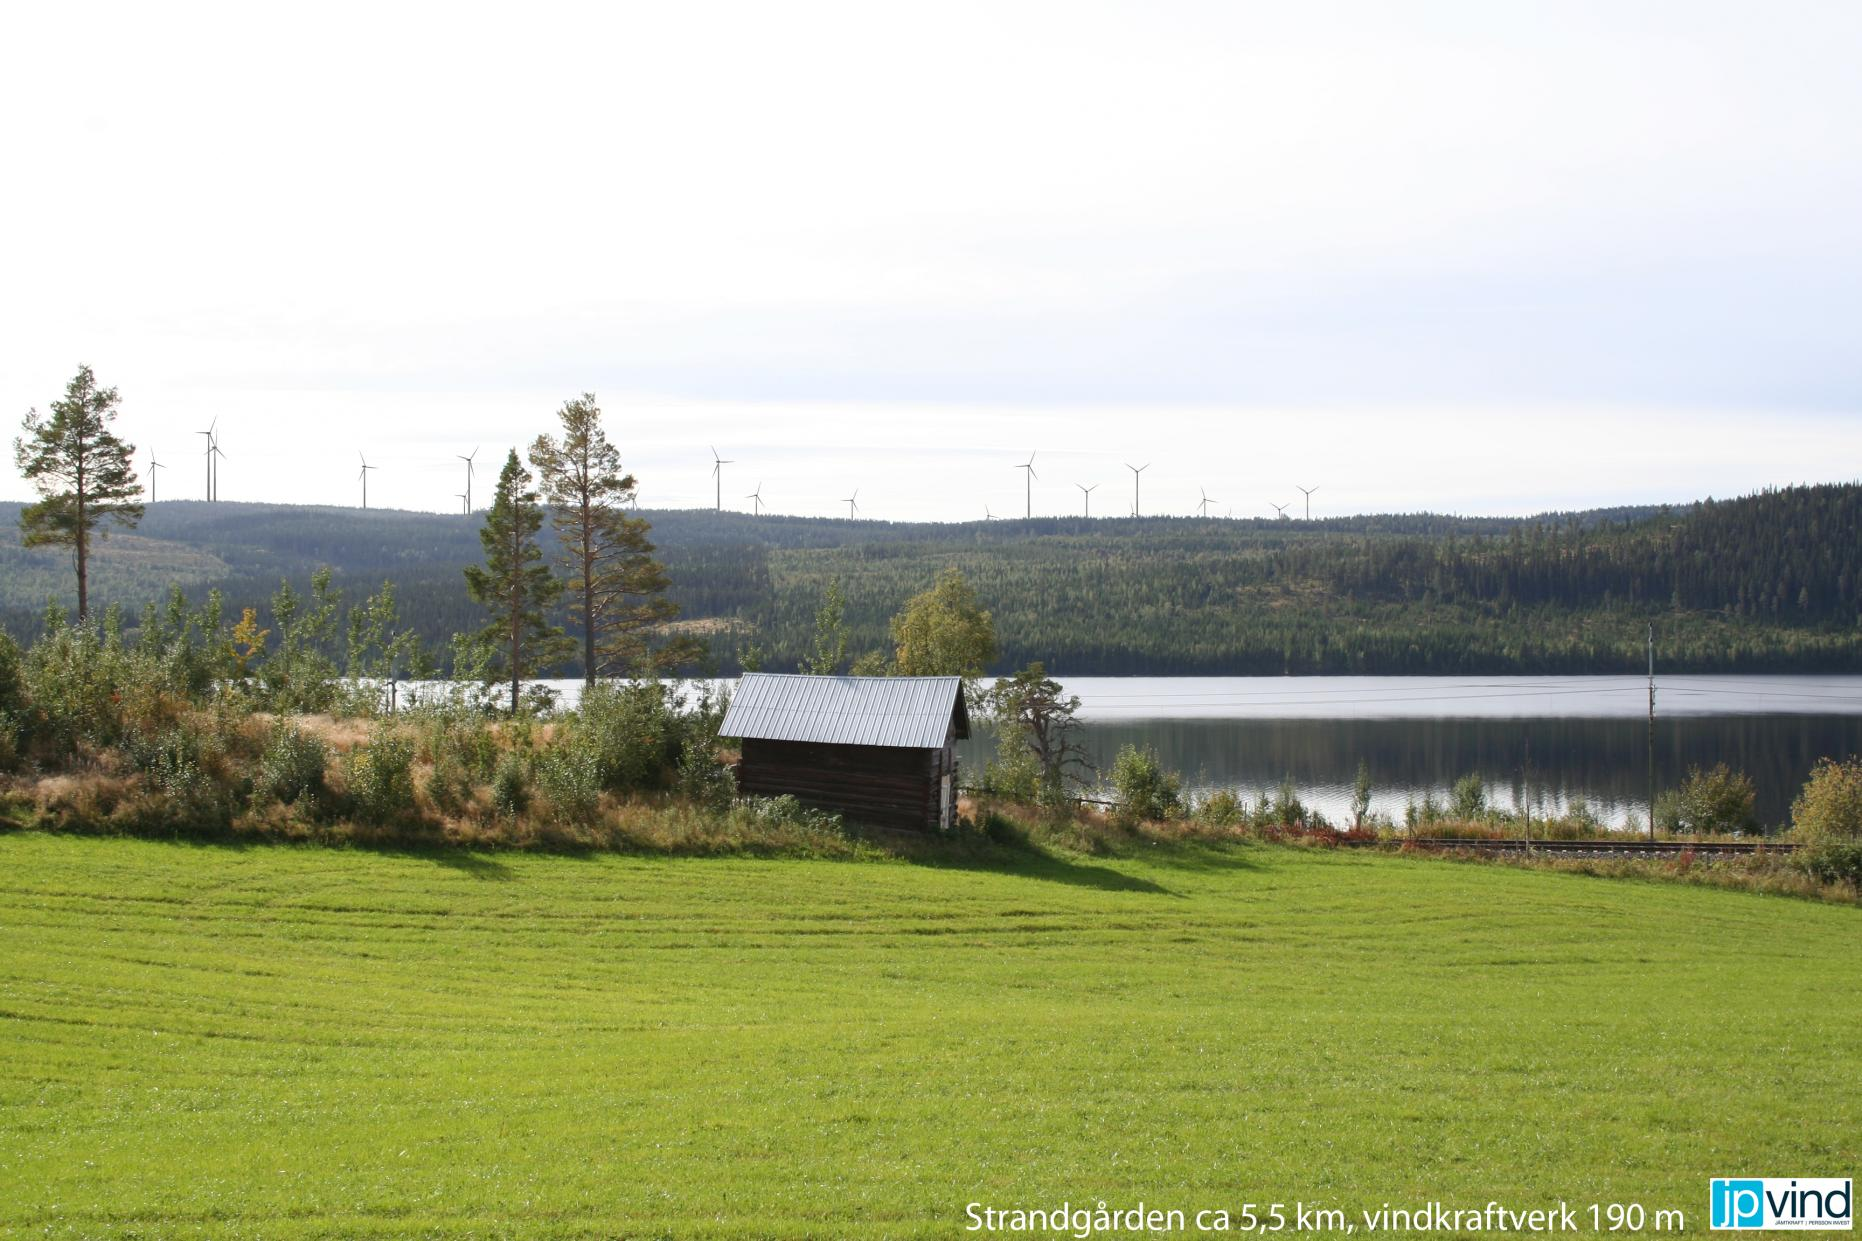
x=1604 y=761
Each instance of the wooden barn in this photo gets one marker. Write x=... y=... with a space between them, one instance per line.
x=880 y=750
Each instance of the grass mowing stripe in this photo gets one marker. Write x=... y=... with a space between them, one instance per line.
x=315 y=1043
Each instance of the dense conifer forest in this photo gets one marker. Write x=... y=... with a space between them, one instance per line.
x=1766 y=582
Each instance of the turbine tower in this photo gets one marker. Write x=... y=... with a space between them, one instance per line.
x=1206 y=502
x=1308 y=491
x=364 y=476
x=1029 y=466
x=467 y=458
x=1136 y=470
x=208 y=453
x=1086 y=493
x=756 y=498
x=717 y=475
x=853 y=503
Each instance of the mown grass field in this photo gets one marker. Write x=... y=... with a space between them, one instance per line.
x=293 y=1042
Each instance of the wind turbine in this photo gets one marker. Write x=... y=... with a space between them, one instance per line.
x=1280 y=510
x=1206 y=502
x=465 y=503
x=154 y=465
x=467 y=458
x=1308 y=491
x=364 y=476
x=756 y=497
x=1136 y=470
x=1029 y=466
x=717 y=475
x=216 y=456
x=1087 y=494
x=987 y=515
x=209 y=454
x=853 y=505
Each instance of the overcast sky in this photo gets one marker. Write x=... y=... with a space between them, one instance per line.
x=1479 y=257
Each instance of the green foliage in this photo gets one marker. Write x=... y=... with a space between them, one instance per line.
x=381 y=779
x=1566 y=593
x=515 y=585
x=1221 y=808
x=569 y=778
x=702 y=780
x=1832 y=861
x=1361 y=790
x=299 y=677
x=82 y=472
x=12 y=679
x=1830 y=806
x=830 y=643
x=632 y=731
x=616 y=587
x=510 y=785
x=1467 y=801
x=1718 y=800
x=292 y=766
x=1143 y=790
x=1037 y=726
x=944 y=632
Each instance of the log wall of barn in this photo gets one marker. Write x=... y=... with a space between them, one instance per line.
x=884 y=785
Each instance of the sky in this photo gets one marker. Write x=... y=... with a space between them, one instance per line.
x=1452 y=256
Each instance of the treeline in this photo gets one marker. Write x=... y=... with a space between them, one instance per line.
x=1769 y=582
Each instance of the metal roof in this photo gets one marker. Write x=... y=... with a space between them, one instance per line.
x=913 y=712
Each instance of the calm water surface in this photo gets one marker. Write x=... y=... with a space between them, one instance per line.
x=1549 y=740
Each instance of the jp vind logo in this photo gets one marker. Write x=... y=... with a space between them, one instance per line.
x=1803 y=1204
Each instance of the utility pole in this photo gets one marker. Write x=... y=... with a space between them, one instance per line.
x=1651 y=731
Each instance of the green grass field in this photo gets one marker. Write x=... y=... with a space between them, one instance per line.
x=290 y=1042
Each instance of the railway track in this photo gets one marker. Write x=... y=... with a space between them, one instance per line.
x=1607 y=848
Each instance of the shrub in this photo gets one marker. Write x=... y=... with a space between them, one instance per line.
x=1286 y=809
x=1361 y=795
x=12 y=680
x=381 y=779
x=1467 y=801
x=702 y=779
x=786 y=811
x=570 y=782
x=510 y=785
x=292 y=766
x=1142 y=788
x=632 y=732
x=1832 y=861
x=1715 y=800
x=1830 y=806
x=1221 y=809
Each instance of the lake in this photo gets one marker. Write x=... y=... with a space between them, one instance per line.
x=1553 y=739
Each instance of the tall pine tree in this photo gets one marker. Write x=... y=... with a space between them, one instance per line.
x=617 y=588
x=82 y=471
x=514 y=583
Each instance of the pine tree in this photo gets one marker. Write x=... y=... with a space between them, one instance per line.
x=83 y=472
x=617 y=588
x=514 y=583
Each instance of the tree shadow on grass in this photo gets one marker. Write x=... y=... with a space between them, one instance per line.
x=476 y=865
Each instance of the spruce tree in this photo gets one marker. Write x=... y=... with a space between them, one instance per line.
x=82 y=471
x=617 y=588
x=515 y=584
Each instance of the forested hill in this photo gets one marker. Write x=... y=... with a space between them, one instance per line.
x=1770 y=581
